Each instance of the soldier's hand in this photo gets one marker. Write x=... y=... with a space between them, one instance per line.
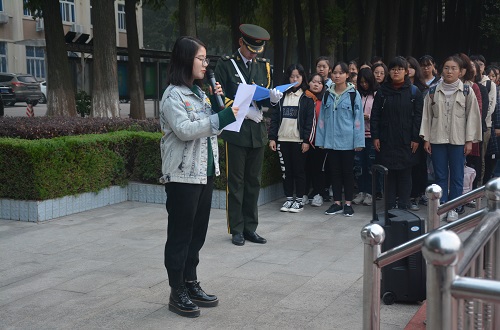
x=275 y=95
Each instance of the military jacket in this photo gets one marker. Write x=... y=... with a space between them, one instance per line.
x=251 y=134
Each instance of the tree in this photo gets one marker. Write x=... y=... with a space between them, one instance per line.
x=61 y=93
x=391 y=40
x=105 y=76
x=187 y=17
x=301 y=34
x=137 y=110
x=277 y=41
x=367 y=30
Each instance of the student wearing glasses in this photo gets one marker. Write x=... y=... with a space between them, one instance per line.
x=395 y=124
x=451 y=122
x=190 y=123
x=429 y=72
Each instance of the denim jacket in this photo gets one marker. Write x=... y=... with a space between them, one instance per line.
x=339 y=126
x=186 y=121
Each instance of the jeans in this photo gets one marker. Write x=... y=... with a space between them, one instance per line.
x=341 y=169
x=448 y=161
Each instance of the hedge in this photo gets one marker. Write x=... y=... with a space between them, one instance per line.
x=51 y=168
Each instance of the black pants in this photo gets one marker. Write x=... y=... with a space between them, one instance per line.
x=188 y=207
x=292 y=162
x=341 y=170
x=317 y=158
x=419 y=173
x=476 y=163
x=399 y=185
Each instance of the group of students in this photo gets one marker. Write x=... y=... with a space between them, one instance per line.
x=333 y=125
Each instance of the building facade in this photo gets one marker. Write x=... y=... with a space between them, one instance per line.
x=22 y=39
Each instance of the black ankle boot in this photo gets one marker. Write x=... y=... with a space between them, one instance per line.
x=199 y=297
x=180 y=303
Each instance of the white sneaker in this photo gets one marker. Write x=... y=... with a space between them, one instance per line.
x=305 y=200
x=317 y=200
x=452 y=216
x=368 y=200
x=286 y=206
x=296 y=207
x=359 y=198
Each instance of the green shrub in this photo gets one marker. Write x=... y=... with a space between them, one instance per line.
x=83 y=103
x=51 y=168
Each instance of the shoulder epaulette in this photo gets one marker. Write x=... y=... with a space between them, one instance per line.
x=227 y=57
x=261 y=59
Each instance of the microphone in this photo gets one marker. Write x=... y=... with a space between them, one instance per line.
x=211 y=80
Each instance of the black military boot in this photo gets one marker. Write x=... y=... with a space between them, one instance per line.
x=180 y=303
x=199 y=297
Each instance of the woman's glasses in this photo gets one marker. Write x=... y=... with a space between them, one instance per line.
x=204 y=60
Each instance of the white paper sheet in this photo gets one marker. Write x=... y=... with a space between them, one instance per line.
x=243 y=99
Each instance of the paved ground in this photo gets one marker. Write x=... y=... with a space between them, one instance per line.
x=103 y=269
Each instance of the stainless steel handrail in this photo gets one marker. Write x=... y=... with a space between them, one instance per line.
x=444 y=286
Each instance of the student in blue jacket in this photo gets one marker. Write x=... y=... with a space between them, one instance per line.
x=341 y=131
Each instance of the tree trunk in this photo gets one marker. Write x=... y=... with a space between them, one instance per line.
x=235 y=25
x=430 y=28
x=408 y=15
x=391 y=41
x=61 y=94
x=105 y=77
x=301 y=34
x=187 y=18
x=290 y=39
x=313 y=33
x=277 y=40
x=326 y=40
x=137 y=110
x=367 y=30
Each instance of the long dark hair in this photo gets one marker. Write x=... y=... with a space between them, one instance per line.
x=180 y=70
x=465 y=64
x=288 y=72
x=418 y=79
x=367 y=75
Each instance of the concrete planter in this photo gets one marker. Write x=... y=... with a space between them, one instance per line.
x=37 y=211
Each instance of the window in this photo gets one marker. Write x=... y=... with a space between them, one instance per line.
x=26 y=11
x=121 y=17
x=67 y=10
x=1 y=5
x=3 y=57
x=35 y=61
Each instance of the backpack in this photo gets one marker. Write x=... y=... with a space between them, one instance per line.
x=413 y=93
x=432 y=91
x=352 y=96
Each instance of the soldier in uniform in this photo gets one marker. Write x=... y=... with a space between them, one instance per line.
x=245 y=149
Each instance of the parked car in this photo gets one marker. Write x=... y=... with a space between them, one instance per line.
x=25 y=87
x=7 y=95
x=43 y=88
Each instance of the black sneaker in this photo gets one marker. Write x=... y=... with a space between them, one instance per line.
x=334 y=209
x=348 y=211
x=460 y=209
x=379 y=196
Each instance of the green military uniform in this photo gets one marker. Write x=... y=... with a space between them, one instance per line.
x=244 y=149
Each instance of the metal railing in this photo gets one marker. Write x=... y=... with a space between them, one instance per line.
x=463 y=279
